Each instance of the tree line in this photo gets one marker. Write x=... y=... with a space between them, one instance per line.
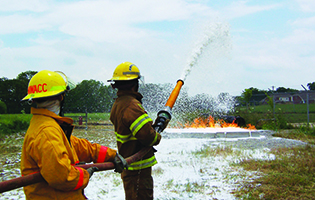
x=96 y=97
x=12 y=91
x=89 y=95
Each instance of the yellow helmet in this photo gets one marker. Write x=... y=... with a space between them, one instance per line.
x=126 y=71
x=47 y=84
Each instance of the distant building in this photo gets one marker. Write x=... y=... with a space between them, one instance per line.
x=293 y=98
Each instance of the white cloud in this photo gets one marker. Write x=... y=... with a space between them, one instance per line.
x=306 y=5
x=21 y=24
x=101 y=20
x=305 y=22
x=301 y=37
x=29 y=5
x=110 y=21
x=98 y=35
x=240 y=9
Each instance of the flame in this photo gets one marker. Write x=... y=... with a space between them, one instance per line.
x=251 y=127
x=210 y=122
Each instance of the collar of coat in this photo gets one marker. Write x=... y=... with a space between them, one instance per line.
x=136 y=95
x=42 y=111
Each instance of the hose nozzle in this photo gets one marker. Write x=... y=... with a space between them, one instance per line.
x=165 y=115
x=171 y=100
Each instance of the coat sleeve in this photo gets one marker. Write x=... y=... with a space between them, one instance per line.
x=92 y=152
x=51 y=155
x=140 y=125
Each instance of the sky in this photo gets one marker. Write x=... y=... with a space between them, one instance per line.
x=226 y=46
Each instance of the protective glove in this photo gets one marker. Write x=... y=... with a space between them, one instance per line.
x=160 y=124
x=91 y=170
x=120 y=163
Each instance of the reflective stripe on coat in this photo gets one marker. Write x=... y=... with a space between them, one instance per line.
x=133 y=128
x=50 y=149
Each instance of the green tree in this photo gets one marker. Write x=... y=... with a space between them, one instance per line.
x=257 y=96
x=311 y=86
x=270 y=102
x=256 y=91
x=90 y=95
x=284 y=90
x=26 y=75
x=246 y=96
x=13 y=90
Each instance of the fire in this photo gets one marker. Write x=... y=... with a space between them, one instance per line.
x=210 y=122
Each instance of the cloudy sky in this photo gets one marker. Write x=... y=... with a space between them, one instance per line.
x=226 y=46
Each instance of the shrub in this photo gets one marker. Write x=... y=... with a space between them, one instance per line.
x=266 y=120
x=3 y=108
x=13 y=127
x=308 y=130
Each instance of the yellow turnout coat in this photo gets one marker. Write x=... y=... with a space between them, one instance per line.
x=50 y=149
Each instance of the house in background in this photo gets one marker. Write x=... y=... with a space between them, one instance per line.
x=293 y=98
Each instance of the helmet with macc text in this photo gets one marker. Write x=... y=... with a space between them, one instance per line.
x=47 y=83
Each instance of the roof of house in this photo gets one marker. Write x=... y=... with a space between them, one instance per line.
x=301 y=94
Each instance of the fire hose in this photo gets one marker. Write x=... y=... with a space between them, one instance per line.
x=162 y=117
x=36 y=178
x=165 y=114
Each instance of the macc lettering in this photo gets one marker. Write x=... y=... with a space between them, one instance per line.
x=37 y=88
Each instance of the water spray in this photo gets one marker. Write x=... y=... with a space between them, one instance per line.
x=165 y=114
x=162 y=117
x=214 y=42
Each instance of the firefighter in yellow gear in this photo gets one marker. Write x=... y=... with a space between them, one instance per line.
x=133 y=129
x=50 y=148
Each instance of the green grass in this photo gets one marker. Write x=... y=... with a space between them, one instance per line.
x=13 y=123
x=291 y=175
x=292 y=172
x=305 y=134
x=7 y=118
x=92 y=117
x=290 y=108
x=292 y=113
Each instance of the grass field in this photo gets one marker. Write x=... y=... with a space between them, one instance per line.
x=92 y=117
x=7 y=118
x=291 y=175
x=289 y=108
x=12 y=123
x=292 y=172
x=287 y=113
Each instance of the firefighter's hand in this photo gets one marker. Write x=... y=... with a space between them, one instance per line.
x=160 y=124
x=120 y=163
x=91 y=170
